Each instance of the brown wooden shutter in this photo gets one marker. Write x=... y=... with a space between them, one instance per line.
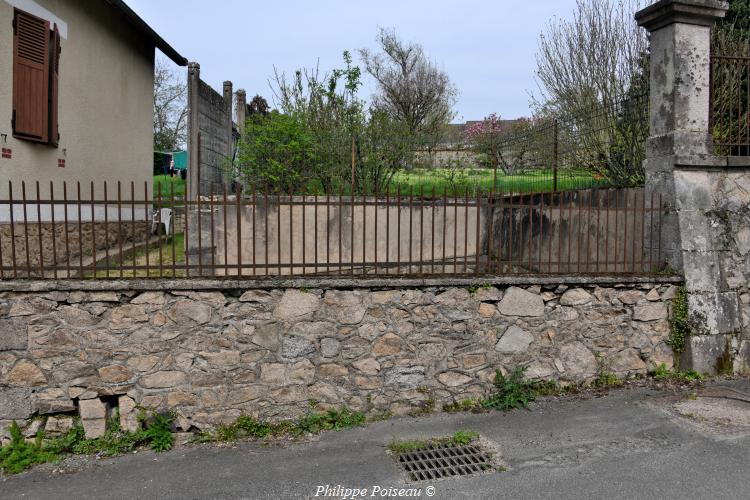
x=54 y=73
x=30 y=77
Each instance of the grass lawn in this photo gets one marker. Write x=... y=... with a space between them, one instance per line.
x=483 y=179
x=153 y=261
x=417 y=181
x=166 y=182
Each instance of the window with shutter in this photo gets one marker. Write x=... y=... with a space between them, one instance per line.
x=54 y=72
x=31 y=77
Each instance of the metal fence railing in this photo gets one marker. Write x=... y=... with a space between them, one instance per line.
x=730 y=104
x=120 y=231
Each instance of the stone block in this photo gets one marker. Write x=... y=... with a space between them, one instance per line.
x=54 y=400
x=575 y=297
x=346 y=307
x=128 y=414
x=706 y=353
x=93 y=413
x=25 y=374
x=295 y=305
x=15 y=403
x=162 y=379
x=578 y=360
x=13 y=334
x=650 y=311
x=713 y=313
x=453 y=379
x=294 y=347
x=407 y=377
x=58 y=425
x=514 y=340
x=519 y=302
x=387 y=345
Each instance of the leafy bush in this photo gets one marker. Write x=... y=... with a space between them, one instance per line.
x=19 y=454
x=159 y=431
x=511 y=392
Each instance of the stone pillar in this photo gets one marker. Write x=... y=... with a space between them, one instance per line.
x=229 y=153
x=193 y=182
x=679 y=164
x=241 y=109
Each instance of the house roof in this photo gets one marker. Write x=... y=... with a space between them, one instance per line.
x=139 y=24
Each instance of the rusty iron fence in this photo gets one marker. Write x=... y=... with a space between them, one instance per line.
x=730 y=104
x=124 y=231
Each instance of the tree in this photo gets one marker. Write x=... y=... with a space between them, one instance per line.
x=170 y=108
x=329 y=109
x=593 y=72
x=275 y=153
x=411 y=88
x=258 y=106
x=490 y=137
x=592 y=58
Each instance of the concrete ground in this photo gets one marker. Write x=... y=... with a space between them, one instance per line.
x=632 y=443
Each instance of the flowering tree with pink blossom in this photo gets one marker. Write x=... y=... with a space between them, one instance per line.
x=488 y=137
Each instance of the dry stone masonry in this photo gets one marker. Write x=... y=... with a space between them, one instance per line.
x=214 y=355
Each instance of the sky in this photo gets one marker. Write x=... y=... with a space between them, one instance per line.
x=487 y=47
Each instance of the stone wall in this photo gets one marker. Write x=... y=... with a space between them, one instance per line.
x=213 y=355
x=715 y=223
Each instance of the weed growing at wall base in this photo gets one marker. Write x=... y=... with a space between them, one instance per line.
x=511 y=392
x=679 y=322
x=313 y=423
x=19 y=454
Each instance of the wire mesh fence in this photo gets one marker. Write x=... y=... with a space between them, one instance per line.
x=121 y=231
x=601 y=140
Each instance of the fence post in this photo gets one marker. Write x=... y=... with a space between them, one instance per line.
x=555 y=154
x=193 y=182
x=229 y=132
x=694 y=183
x=240 y=110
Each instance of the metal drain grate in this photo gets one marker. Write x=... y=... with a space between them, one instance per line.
x=444 y=460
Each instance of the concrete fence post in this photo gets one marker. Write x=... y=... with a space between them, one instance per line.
x=680 y=164
x=241 y=110
x=229 y=153
x=193 y=182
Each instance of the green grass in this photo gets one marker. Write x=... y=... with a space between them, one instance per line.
x=311 y=423
x=460 y=438
x=471 y=181
x=115 y=265
x=166 y=182
x=426 y=181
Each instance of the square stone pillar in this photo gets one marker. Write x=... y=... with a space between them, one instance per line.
x=241 y=110
x=679 y=164
x=193 y=182
x=229 y=153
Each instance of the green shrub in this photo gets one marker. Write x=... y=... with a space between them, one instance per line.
x=19 y=454
x=159 y=431
x=511 y=392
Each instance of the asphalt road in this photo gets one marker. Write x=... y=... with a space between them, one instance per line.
x=630 y=444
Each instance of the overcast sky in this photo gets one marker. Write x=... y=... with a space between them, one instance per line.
x=487 y=47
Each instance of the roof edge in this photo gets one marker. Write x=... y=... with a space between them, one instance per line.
x=138 y=23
